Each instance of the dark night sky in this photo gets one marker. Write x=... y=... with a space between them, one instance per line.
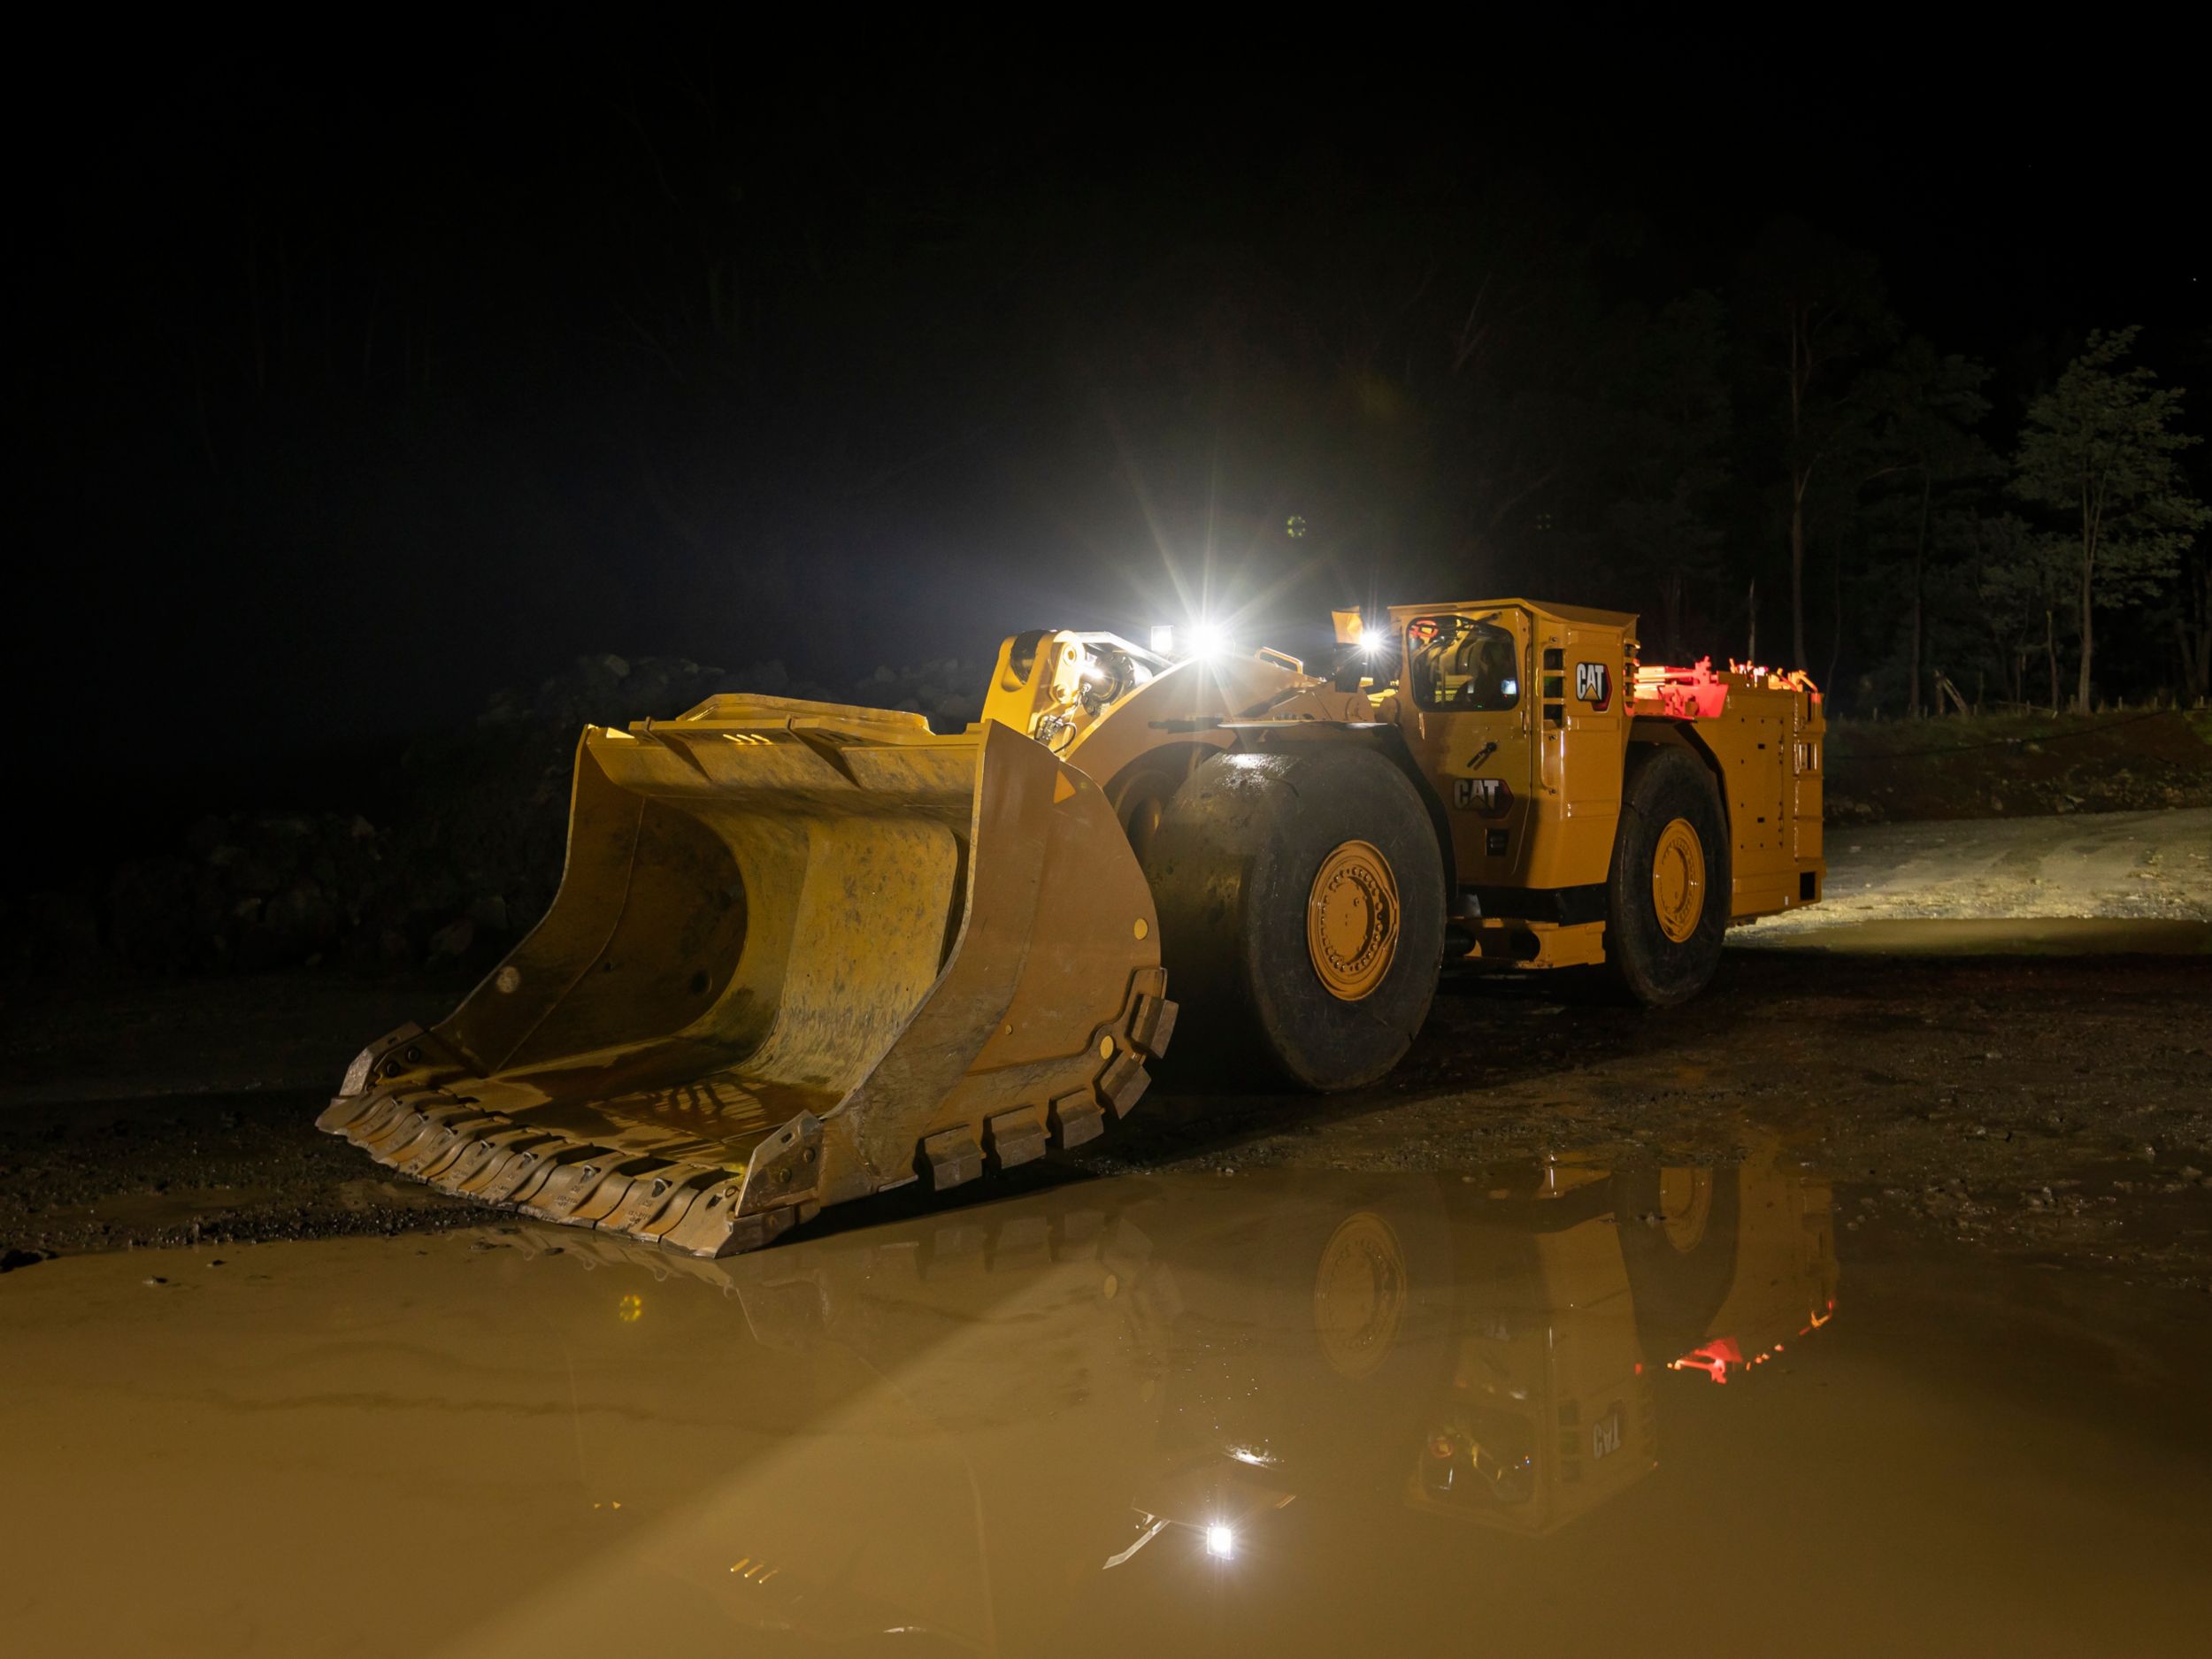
x=347 y=399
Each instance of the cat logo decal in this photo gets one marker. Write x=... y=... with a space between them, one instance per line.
x=1594 y=685
x=1492 y=797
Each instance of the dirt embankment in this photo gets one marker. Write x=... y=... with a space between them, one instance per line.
x=2018 y=765
x=442 y=854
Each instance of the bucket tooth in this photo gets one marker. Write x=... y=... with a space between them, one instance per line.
x=569 y=1179
x=339 y=1116
x=465 y=1157
x=1016 y=1137
x=524 y=1164
x=670 y=1196
x=612 y=1190
x=365 y=1128
x=647 y=1195
x=951 y=1157
x=1076 y=1119
x=407 y=1131
x=706 y=1191
x=1124 y=1082
x=1152 y=1025
x=432 y=1157
x=503 y=1166
x=428 y=1140
x=397 y=1131
x=388 y=1132
x=428 y=1144
x=553 y=1178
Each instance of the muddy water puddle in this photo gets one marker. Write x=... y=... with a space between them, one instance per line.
x=1537 y=1409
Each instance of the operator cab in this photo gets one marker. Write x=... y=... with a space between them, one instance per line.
x=1460 y=665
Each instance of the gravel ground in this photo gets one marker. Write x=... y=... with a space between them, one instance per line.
x=2040 y=1093
x=2109 y=865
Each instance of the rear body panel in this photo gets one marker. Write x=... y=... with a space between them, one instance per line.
x=1763 y=733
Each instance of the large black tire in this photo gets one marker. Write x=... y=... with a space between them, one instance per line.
x=1233 y=867
x=1139 y=797
x=1664 y=785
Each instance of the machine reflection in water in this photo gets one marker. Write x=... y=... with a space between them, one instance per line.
x=1071 y=1384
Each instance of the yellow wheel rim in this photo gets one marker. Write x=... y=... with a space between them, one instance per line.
x=1678 y=880
x=1359 y=1294
x=1352 y=921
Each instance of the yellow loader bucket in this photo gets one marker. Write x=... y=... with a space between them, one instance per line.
x=800 y=953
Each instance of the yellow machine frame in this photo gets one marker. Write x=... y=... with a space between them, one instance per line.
x=804 y=952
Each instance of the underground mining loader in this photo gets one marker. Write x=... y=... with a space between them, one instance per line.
x=804 y=952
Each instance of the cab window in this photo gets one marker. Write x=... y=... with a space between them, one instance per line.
x=1460 y=665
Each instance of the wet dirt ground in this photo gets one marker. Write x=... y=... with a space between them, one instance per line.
x=1997 y=1032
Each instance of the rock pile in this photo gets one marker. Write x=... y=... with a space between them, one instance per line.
x=247 y=891
x=461 y=856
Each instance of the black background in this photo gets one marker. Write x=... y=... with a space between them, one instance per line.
x=360 y=379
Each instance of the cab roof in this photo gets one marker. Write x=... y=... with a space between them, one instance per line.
x=1626 y=620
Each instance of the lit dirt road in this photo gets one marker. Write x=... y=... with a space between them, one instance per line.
x=2138 y=865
